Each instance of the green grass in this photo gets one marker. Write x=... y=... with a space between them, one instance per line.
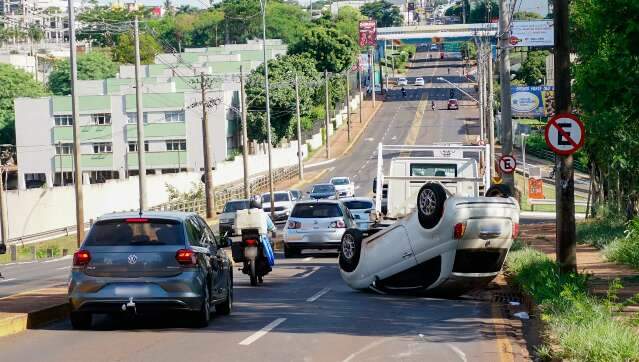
x=580 y=327
x=618 y=239
x=549 y=193
x=24 y=252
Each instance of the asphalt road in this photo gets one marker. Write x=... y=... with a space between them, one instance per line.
x=304 y=311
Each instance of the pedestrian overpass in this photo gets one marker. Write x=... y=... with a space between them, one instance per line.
x=414 y=33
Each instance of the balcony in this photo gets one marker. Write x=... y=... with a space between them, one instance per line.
x=158 y=130
x=92 y=133
x=162 y=159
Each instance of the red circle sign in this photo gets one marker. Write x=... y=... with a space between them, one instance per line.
x=565 y=134
x=514 y=40
x=507 y=164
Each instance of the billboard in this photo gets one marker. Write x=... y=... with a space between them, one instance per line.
x=535 y=33
x=367 y=33
x=533 y=101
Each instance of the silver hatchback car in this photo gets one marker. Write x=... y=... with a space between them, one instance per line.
x=132 y=263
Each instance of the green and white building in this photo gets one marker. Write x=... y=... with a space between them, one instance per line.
x=172 y=116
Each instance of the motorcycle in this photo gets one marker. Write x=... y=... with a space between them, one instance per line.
x=251 y=251
x=403 y=92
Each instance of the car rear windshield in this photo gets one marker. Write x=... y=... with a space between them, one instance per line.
x=340 y=181
x=323 y=188
x=233 y=206
x=356 y=205
x=310 y=211
x=123 y=232
x=278 y=197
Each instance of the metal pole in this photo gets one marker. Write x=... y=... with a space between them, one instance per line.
x=4 y=223
x=300 y=156
x=75 y=111
x=348 y=108
x=480 y=83
x=504 y=75
x=326 y=119
x=140 y=120
x=491 y=113
x=565 y=183
x=361 y=95
x=268 y=111
x=247 y=186
x=209 y=192
x=372 y=73
x=523 y=156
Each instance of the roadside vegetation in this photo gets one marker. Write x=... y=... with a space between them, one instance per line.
x=619 y=239
x=43 y=250
x=579 y=326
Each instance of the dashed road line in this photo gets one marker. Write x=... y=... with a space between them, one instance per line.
x=318 y=295
x=310 y=257
x=63 y=267
x=262 y=332
x=7 y=280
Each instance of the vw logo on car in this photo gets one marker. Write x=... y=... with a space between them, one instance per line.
x=132 y=259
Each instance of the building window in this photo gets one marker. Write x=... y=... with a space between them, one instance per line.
x=101 y=118
x=133 y=146
x=133 y=117
x=98 y=177
x=34 y=180
x=63 y=120
x=103 y=147
x=64 y=149
x=174 y=116
x=176 y=145
x=173 y=170
x=63 y=178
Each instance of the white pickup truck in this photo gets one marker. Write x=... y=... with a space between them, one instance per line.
x=444 y=227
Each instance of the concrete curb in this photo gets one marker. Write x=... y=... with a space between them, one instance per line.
x=13 y=322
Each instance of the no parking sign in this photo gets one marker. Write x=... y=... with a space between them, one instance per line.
x=507 y=164
x=565 y=134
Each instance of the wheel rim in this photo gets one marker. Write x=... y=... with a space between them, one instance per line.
x=427 y=201
x=348 y=246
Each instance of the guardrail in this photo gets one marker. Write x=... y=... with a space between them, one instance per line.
x=550 y=156
x=533 y=202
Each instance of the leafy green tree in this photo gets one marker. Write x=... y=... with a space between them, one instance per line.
x=282 y=72
x=330 y=49
x=533 y=69
x=469 y=50
x=527 y=15
x=347 y=22
x=242 y=20
x=92 y=24
x=479 y=11
x=91 y=66
x=15 y=83
x=207 y=29
x=285 y=21
x=384 y=13
x=124 y=51
x=35 y=33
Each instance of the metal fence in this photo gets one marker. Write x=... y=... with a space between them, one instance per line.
x=550 y=156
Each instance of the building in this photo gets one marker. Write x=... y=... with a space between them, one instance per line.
x=172 y=117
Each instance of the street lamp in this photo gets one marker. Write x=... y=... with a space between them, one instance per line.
x=268 y=111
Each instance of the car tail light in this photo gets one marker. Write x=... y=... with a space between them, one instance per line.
x=186 y=257
x=515 y=230
x=459 y=230
x=294 y=225
x=81 y=258
x=251 y=242
x=339 y=224
x=136 y=220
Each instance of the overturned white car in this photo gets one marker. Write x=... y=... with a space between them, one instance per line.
x=438 y=231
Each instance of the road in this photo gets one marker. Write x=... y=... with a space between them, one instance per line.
x=304 y=311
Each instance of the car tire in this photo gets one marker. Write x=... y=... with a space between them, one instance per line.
x=226 y=306
x=290 y=252
x=81 y=320
x=499 y=190
x=430 y=204
x=350 y=250
x=203 y=316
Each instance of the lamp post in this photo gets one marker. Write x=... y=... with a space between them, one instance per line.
x=268 y=111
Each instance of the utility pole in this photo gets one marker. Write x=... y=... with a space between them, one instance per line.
x=504 y=76
x=209 y=191
x=348 y=108
x=372 y=73
x=4 y=221
x=480 y=84
x=300 y=156
x=268 y=111
x=247 y=186
x=564 y=183
x=140 y=120
x=326 y=119
x=361 y=95
x=75 y=111
x=491 y=112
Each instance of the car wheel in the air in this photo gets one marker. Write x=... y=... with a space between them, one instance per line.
x=350 y=250
x=430 y=204
x=499 y=190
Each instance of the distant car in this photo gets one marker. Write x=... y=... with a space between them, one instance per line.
x=402 y=81
x=419 y=81
x=323 y=191
x=283 y=202
x=344 y=186
x=434 y=47
x=132 y=263
x=227 y=217
x=452 y=104
x=297 y=195
x=360 y=207
x=316 y=224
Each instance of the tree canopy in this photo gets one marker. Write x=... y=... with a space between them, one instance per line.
x=533 y=68
x=331 y=50
x=124 y=51
x=15 y=83
x=91 y=66
x=384 y=13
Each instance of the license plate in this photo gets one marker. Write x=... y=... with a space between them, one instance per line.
x=133 y=291
x=250 y=252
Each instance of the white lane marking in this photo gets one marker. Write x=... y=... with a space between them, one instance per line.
x=58 y=259
x=308 y=259
x=368 y=347
x=394 y=138
x=369 y=139
x=262 y=332
x=7 y=280
x=317 y=295
x=63 y=267
x=357 y=187
x=458 y=351
x=320 y=163
x=311 y=272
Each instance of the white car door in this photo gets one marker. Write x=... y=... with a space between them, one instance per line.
x=388 y=252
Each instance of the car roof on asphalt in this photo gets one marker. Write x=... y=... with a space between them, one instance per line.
x=170 y=215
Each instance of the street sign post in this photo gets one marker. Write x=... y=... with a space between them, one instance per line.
x=507 y=164
x=565 y=134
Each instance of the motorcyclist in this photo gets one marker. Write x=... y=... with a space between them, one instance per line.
x=432 y=105
x=403 y=92
x=265 y=240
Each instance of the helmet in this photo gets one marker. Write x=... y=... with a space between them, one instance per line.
x=255 y=202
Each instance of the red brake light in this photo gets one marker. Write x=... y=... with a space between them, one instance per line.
x=251 y=242
x=81 y=258
x=294 y=225
x=137 y=220
x=459 y=230
x=186 y=257
x=515 y=230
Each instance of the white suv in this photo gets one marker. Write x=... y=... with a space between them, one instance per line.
x=283 y=204
x=344 y=186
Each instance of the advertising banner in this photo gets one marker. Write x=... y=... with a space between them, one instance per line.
x=536 y=33
x=367 y=33
x=535 y=188
x=533 y=101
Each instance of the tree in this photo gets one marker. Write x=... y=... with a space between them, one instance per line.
x=527 y=15
x=35 y=33
x=15 y=83
x=331 y=50
x=479 y=12
x=92 y=24
x=384 y=13
x=124 y=51
x=469 y=50
x=285 y=21
x=91 y=66
x=282 y=72
x=242 y=20
x=533 y=69
x=347 y=22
